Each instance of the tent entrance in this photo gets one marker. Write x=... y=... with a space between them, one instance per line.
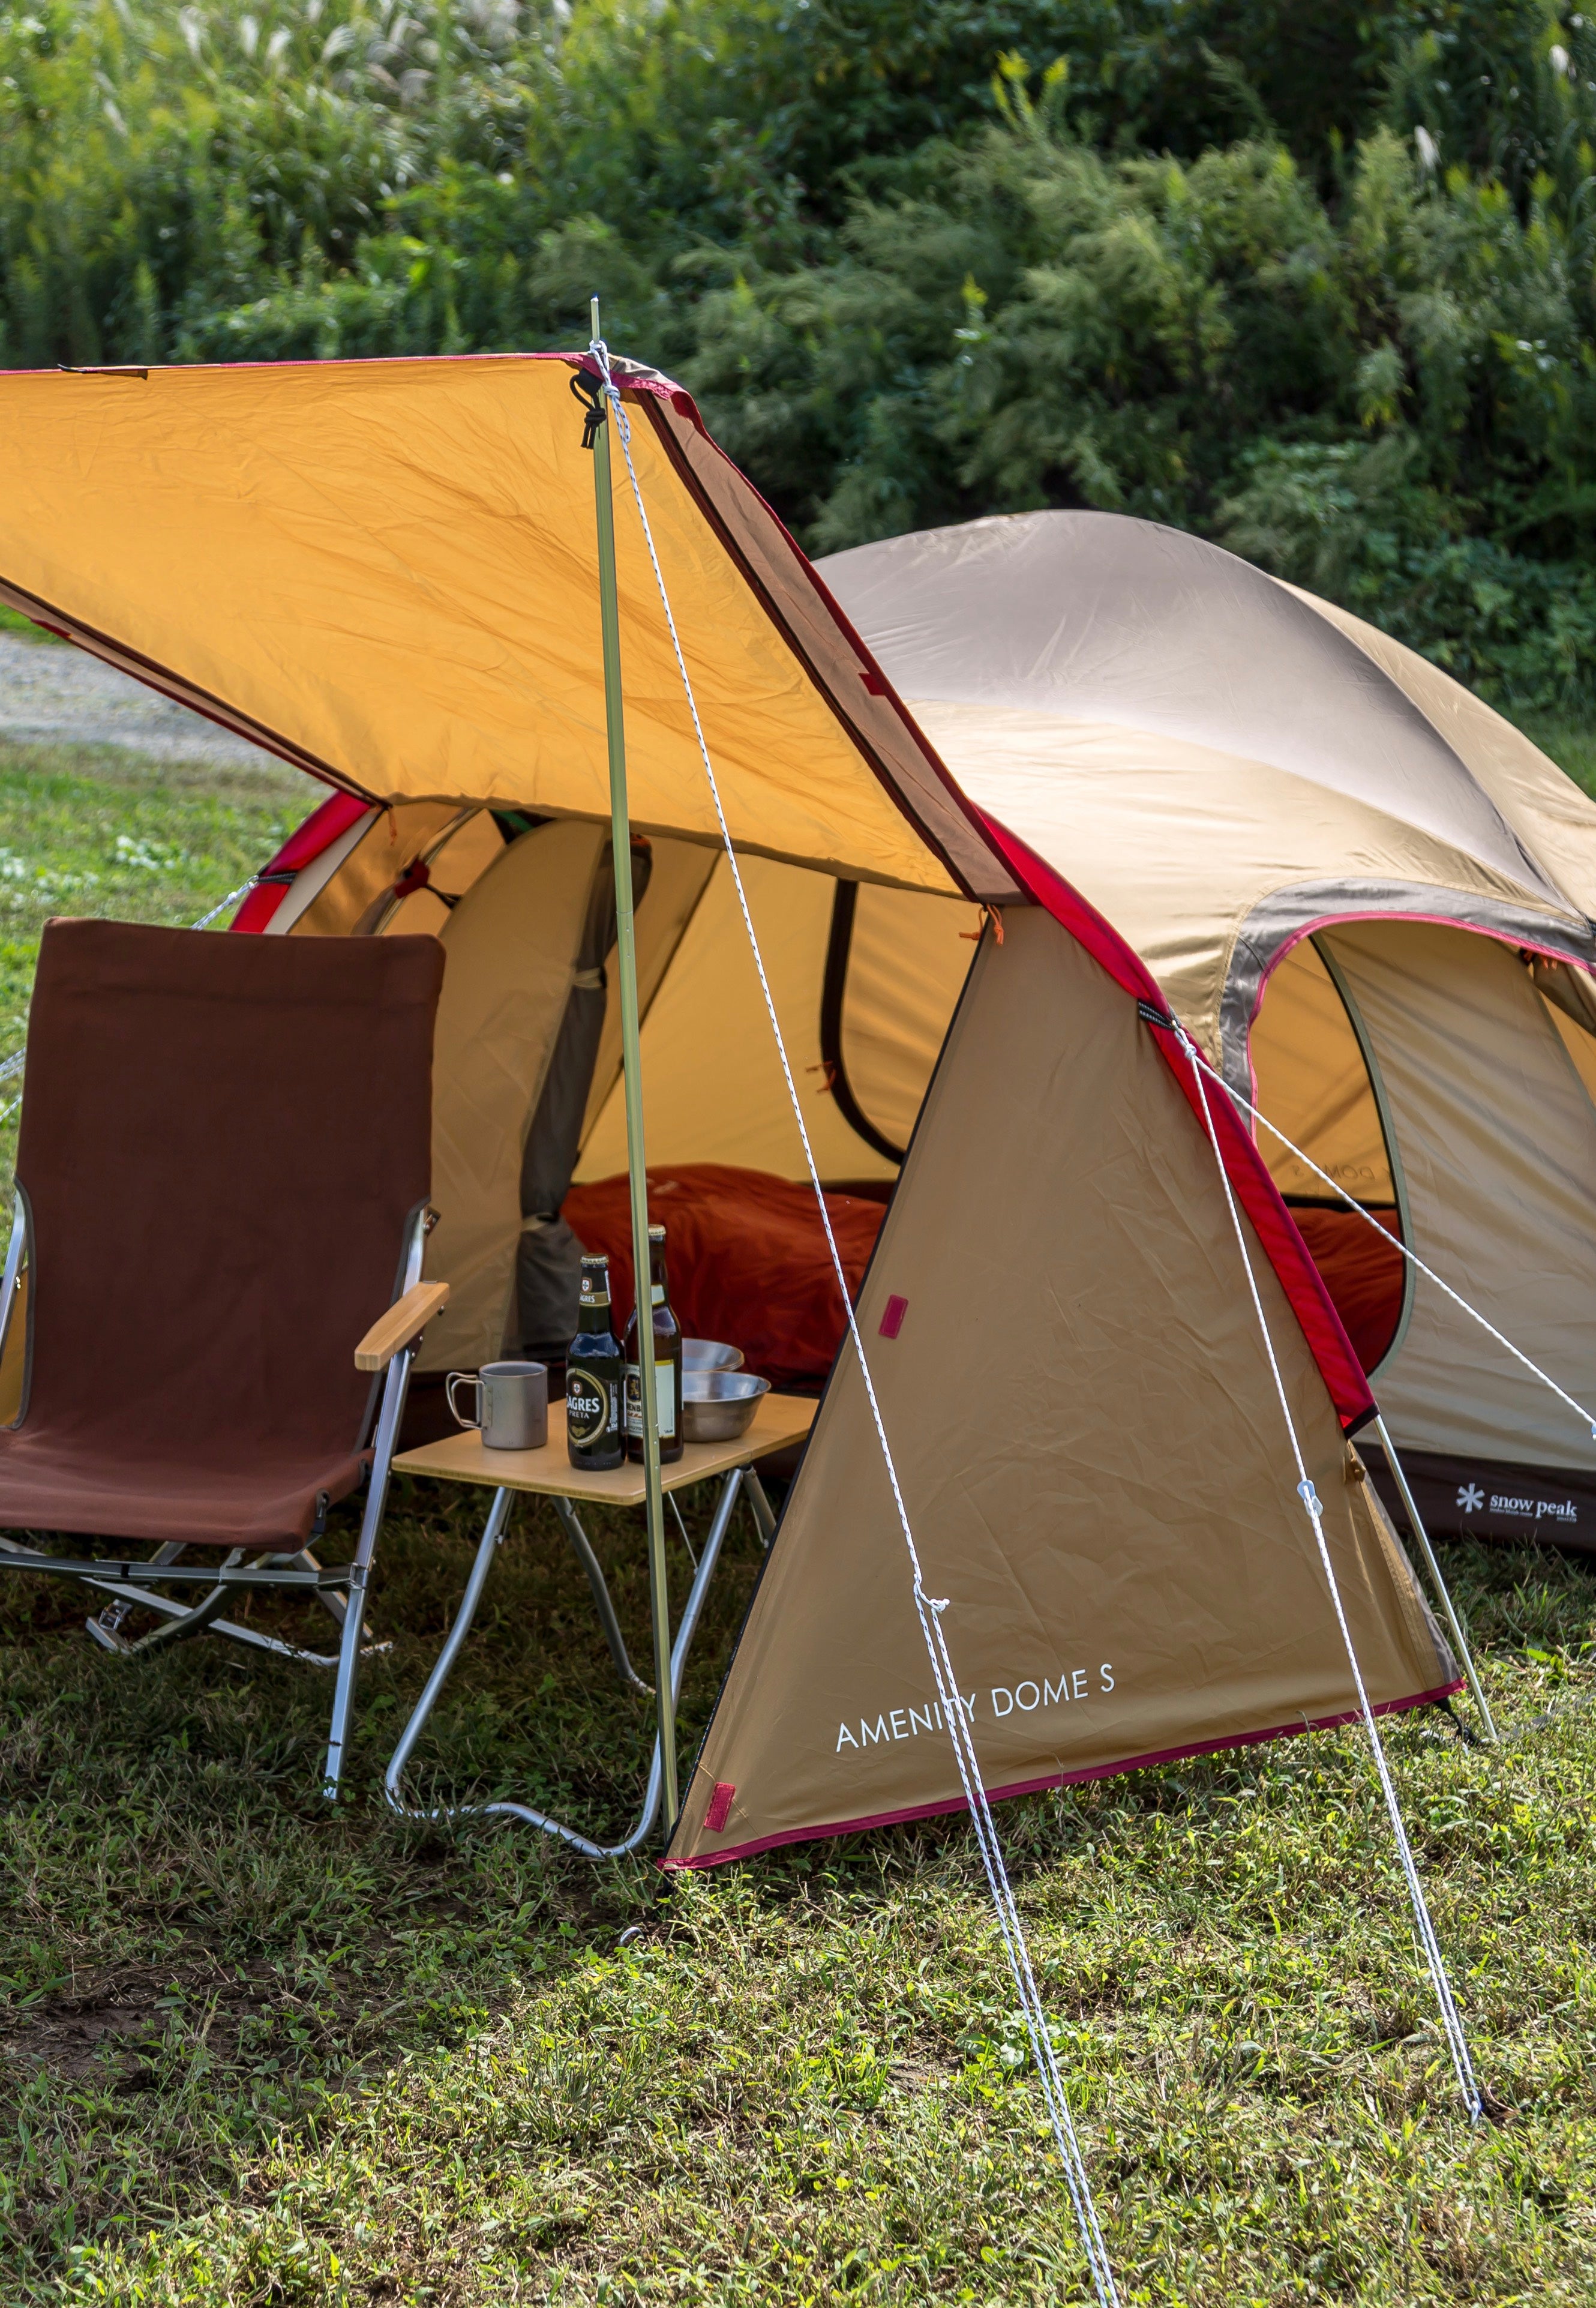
x=1313 y=1076
x=529 y=1158
x=1447 y=1078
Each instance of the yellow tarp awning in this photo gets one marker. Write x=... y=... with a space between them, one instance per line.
x=386 y=572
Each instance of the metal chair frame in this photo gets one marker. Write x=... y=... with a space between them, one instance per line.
x=741 y=1481
x=340 y=1588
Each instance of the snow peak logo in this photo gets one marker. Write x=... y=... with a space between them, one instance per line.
x=1076 y=1682
x=1470 y=1499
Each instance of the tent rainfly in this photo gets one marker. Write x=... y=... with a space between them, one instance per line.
x=1369 y=899
x=371 y=568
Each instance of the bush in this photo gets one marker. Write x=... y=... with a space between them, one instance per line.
x=1316 y=282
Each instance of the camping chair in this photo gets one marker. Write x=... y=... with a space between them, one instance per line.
x=223 y=1167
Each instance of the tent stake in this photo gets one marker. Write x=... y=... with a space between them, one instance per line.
x=636 y=1171
x=1416 y=1525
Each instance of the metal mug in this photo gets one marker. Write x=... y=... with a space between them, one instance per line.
x=512 y=1404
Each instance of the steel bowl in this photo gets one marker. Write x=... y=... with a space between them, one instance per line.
x=718 y=1405
x=709 y=1354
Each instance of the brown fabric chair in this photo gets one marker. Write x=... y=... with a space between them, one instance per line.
x=222 y=1181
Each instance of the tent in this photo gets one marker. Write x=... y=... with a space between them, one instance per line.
x=384 y=571
x=1367 y=897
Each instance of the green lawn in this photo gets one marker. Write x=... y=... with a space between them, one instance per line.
x=254 y=2051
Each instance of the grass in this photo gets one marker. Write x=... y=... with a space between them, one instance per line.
x=255 y=2051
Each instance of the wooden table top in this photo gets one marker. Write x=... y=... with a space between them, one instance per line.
x=780 y=1419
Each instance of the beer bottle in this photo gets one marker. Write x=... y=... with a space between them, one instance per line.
x=595 y=1378
x=667 y=1361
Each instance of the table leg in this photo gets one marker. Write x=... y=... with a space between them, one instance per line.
x=764 y=1519
x=602 y=1600
x=492 y=1536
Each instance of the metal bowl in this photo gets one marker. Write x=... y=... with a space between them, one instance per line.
x=709 y=1354
x=718 y=1405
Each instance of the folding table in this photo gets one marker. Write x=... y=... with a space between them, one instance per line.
x=779 y=1421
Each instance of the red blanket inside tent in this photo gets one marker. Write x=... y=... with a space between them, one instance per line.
x=747 y=1258
x=1362 y=1272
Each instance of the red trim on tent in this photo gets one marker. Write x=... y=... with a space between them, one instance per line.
x=1061 y=1780
x=308 y=842
x=1244 y=1166
x=871 y=677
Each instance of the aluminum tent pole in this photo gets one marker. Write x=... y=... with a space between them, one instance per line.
x=637 y=1172
x=1416 y=1523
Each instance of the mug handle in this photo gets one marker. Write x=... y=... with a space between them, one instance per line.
x=463 y=1378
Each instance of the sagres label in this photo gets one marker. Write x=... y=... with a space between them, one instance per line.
x=590 y=1407
x=1029 y=1696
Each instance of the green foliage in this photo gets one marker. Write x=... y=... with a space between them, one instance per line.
x=1315 y=281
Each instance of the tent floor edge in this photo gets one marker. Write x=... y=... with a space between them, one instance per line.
x=1495 y=1500
x=947 y=1806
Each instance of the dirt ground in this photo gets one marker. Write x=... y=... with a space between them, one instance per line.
x=53 y=693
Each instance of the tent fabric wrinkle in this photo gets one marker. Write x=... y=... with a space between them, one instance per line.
x=1311 y=1301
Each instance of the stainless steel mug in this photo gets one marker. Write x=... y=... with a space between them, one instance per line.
x=512 y=1404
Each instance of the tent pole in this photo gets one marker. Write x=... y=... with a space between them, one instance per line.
x=636 y=1172
x=1416 y=1525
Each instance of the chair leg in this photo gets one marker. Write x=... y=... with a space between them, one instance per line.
x=394 y=1392
x=105 y=1627
x=336 y=1608
x=175 y=1630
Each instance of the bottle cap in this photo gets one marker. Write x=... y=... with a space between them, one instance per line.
x=657 y=1234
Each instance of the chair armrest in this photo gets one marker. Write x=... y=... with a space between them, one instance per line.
x=403 y=1321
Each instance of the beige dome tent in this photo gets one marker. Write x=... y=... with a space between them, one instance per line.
x=1367 y=897
x=385 y=572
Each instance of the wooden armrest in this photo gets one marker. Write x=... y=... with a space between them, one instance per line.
x=396 y=1329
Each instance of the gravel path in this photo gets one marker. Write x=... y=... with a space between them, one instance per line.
x=52 y=692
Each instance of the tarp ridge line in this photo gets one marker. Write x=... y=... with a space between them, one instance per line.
x=1435 y=1962
x=929 y=1611
x=871 y=674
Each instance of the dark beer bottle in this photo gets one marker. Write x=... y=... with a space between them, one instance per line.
x=667 y=1361
x=595 y=1378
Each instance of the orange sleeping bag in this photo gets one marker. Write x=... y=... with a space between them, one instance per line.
x=747 y=1258
x=1362 y=1272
